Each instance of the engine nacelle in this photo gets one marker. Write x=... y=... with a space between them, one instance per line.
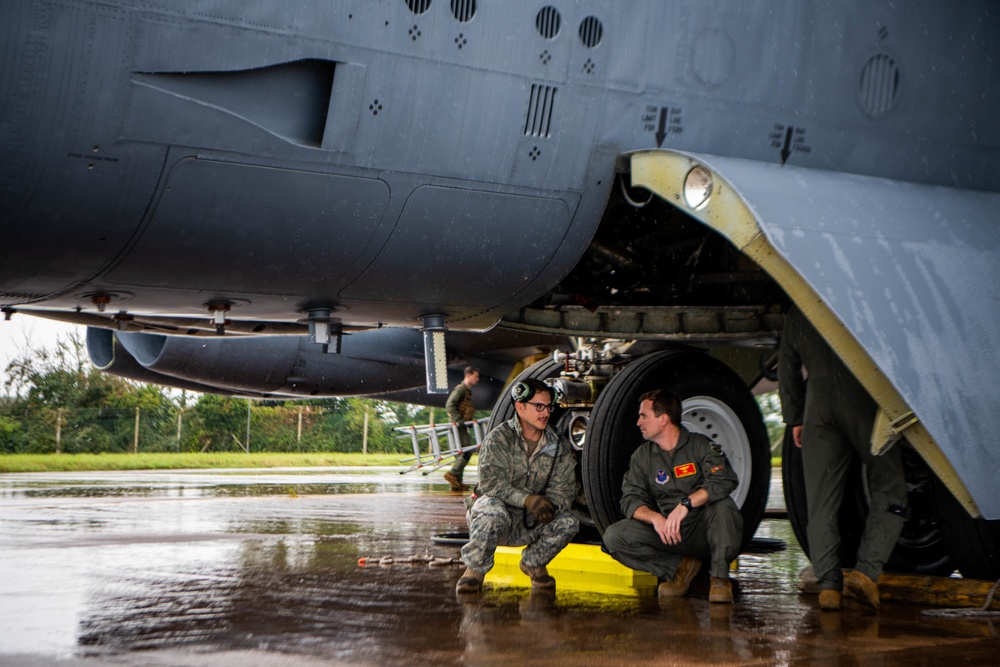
x=380 y=363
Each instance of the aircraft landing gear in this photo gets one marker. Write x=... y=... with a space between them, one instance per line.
x=715 y=402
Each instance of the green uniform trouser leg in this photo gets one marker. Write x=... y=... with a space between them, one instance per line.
x=464 y=441
x=830 y=436
x=715 y=535
x=887 y=483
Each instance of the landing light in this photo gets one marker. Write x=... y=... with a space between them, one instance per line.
x=577 y=430
x=698 y=188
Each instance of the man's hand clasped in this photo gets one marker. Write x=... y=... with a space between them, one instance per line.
x=541 y=507
x=669 y=527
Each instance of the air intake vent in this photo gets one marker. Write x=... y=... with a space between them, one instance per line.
x=418 y=6
x=547 y=22
x=539 y=122
x=591 y=32
x=291 y=100
x=463 y=10
x=878 y=88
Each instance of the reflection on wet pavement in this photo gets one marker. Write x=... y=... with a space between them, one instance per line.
x=237 y=568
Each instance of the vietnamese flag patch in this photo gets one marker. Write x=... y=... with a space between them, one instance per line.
x=685 y=470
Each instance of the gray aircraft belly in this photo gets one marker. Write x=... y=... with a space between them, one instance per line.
x=913 y=273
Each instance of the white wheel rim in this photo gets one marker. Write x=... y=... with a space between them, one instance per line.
x=714 y=419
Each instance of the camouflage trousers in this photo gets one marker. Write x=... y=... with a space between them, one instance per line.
x=492 y=522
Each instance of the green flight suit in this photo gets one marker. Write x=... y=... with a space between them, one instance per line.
x=658 y=480
x=837 y=415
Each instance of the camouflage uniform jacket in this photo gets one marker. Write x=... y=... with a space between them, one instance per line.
x=506 y=472
x=659 y=479
x=459 y=405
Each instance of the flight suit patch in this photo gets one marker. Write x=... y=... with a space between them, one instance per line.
x=715 y=470
x=685 y=470
x=662 y=477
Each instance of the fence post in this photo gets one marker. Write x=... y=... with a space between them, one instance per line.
x=298 y=437
x=135 y=440
x=180 y=414
x=364 y=438
x=248 y=426
x=59 y=431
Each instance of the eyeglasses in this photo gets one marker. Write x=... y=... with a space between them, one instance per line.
x=543 y=407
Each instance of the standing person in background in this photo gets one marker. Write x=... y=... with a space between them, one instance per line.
x=830 y=421
x=460 y=409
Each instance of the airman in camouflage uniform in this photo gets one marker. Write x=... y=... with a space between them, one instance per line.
x=829 y=422
x=527 y=483
x=460 y=409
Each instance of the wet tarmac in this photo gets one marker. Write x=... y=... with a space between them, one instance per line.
x=261 y=568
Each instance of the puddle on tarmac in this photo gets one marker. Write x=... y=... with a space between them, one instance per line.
x=197 y=578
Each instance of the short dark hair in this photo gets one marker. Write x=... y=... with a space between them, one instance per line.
x=664 y=402
x=470 y=370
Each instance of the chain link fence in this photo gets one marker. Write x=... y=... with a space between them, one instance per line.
x=238 y=425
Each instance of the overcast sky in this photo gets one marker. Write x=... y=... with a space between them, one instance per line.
x=22 y=332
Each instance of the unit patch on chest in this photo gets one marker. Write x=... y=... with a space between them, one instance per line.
x=685 y=470
x=662 y=477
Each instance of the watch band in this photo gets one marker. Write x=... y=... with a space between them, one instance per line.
x=686 y=502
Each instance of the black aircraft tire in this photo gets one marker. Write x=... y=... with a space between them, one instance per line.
x=921 y=548
x=974 y=544
x=699 y=379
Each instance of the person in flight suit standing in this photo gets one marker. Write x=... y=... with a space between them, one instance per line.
x=830 y=421
x=676 y=497
x=460 y=409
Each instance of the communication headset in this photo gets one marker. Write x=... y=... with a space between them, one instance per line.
x=521 y=392
x=524 y=390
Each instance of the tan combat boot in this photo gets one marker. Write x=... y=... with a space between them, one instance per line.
x=829 y=600
x=678 y=586
x=720 y=590
x=470 y=582
x=539 y=576
x=860 y=587
x=454 y=482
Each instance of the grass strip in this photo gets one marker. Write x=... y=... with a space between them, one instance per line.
x=172 y=461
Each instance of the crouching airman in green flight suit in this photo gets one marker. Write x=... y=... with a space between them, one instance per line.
x=676 y=497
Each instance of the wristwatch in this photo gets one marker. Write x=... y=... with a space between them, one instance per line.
x=686 y=502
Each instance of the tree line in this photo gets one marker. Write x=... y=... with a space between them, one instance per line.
x=57 y=401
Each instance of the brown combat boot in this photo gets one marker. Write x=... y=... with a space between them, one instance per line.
x=860 y=587
x=470 y=582
x=720 y=590
x=454 y=482
x=678 y=586
x=829 y=600
x=539 y=576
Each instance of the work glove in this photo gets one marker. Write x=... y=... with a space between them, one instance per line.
x=541 y=507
